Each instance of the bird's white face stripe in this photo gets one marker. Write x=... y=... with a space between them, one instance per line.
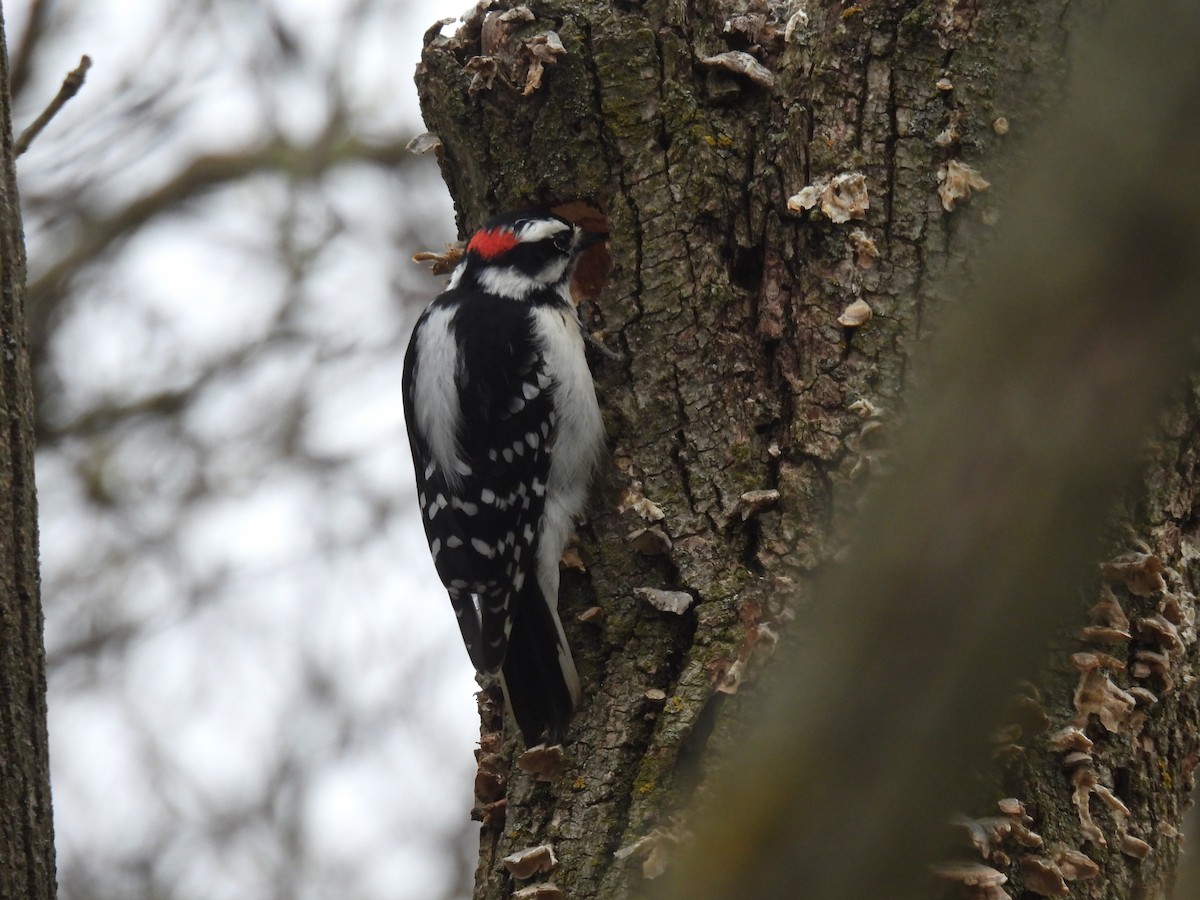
x=508 y=282
x=553 y=271
x=540 y=229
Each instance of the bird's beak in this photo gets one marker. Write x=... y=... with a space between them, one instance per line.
x=588 y=238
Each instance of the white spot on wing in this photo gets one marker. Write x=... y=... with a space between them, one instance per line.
x=466 y=506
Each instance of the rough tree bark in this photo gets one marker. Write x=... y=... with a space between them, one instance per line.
x=745 y=418
x=26 y=832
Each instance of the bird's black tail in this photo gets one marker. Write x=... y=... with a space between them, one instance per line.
x=539 y=677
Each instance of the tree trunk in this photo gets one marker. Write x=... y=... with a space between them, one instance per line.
x=767 y=348
x=26 y=831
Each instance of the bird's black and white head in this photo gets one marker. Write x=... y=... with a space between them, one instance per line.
x=519 y=254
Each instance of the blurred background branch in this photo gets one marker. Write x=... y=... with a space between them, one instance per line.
x=202 y=174
x=219 y=230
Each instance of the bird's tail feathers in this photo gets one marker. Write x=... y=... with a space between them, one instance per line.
x=539 y=678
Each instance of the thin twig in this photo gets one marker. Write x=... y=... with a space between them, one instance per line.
x=70 y=87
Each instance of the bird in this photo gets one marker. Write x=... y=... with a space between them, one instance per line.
x=506 y=436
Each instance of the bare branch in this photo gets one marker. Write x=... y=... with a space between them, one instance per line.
x=70 y=87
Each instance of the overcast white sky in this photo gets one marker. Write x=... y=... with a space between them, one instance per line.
x=152 y=745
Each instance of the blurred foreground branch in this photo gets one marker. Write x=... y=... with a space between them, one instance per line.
x=1080 y=324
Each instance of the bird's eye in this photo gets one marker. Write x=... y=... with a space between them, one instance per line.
x=562 y=242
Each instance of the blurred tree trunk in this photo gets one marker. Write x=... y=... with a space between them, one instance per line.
x=26 y=832
x=766 y=351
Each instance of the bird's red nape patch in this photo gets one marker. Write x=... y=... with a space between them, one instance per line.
x=490 y=243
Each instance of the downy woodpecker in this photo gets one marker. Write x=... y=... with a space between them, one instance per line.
x=505 y=435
